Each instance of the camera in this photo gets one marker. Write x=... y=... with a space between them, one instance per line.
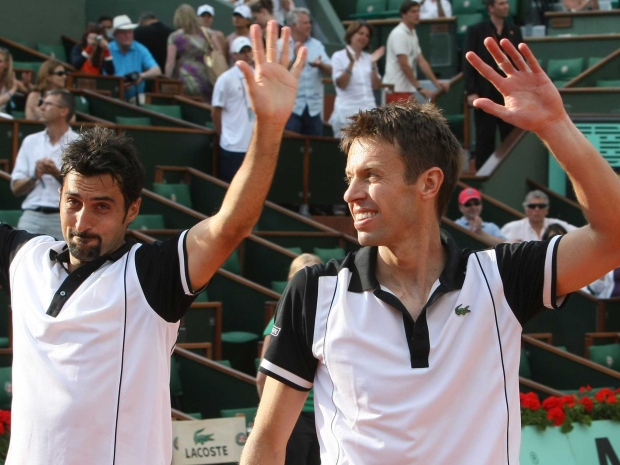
x=132 y=77
x=98 y=39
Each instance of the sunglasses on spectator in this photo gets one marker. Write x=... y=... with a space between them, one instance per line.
x=533 y=206
x=472 y=203
x=59 y=73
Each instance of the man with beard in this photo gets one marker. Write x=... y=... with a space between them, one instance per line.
x=95 y=316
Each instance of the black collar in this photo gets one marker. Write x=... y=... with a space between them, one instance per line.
x=364 y=277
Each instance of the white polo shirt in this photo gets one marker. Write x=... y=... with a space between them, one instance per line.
x=441 y=390
x=401 y=41
x=91 y=362
x=429 y=9
x=521 y=230
x=35 y=147
x=231 y=95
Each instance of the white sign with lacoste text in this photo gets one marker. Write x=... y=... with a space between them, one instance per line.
x=198 y=442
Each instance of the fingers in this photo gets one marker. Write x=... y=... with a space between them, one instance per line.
x=257 y=45
x=514 y=55
x=530 y=58
x=498 y=55
x=485 y=70
x=300 y=61
x=272 y=40
x=490 y=107
x=285 y=57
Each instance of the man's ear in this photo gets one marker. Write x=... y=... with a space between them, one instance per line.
x=430 y=182
x=133 y=210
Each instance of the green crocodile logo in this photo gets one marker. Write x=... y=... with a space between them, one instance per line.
x=460 y=310
x=202 y=438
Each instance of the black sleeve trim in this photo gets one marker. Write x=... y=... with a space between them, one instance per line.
x=283 y=380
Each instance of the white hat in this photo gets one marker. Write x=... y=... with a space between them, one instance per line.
x=205 y=9
x=122 y=23
x=243 y=10
x=239 y=43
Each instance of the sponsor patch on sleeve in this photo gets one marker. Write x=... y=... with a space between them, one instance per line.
x=275 y=331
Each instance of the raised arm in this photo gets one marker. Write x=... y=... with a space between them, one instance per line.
x=272 y=90
x=533 y=103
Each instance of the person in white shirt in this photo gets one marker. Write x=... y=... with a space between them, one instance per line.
x=355 y=75
x=404 y=54
x=233 y=117
x=431 y=9
x=37 y=167
x=536 y=208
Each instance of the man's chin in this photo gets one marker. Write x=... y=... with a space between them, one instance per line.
x=85 y=254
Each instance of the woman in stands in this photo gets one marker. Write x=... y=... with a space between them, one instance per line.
x=186 y=50
x=52 y=76
x=355 y=75
x=92 y=55
x=9 y=84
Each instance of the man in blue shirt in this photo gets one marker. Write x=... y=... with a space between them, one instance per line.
x=470 y=205
x=306 y=117
x=131 y=59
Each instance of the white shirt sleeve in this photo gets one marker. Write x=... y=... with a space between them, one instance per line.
x=22 y=168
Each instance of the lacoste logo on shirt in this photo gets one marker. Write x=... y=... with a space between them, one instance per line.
x=460 y=310
x=275 y=331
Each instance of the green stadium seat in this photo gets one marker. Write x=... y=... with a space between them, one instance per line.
x=607 y=355
x=560 y=83
x=10 y=217
x=608 y=83
x=18 y=114
x=177 y=192
x=144 y=221
x=28 y=65
x=5 y=388
x=564 y=69
x=176 y=388
x=525 y=371
x=295 y=250
x=463 y=21
x=392 y=9
x=593 y=60
x=233 y=263
x=278 y=286
x=81 y=104
x=367 y=9
x=133 y=120
x=240 y=347
x=326 y=255
x=173 y=111
x=225 y=363
x=467 y=7
x=54 y=51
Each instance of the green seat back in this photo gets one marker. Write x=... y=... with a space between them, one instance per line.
x=173 y=111
x=607 y=355
x=144 y=221
x=467 y=7
x=81 y=104
x=463 y=21
x=560 y=83
x=608 y=83
x=225 y=363
x=29 y=65
x=10 y=217
x=295 y=250
x=232 y=263
x=239 y=337
x=525 y=370
x=176 y=388
x=55 y=51
x=564 y=69
x=278 y=286
x=133 y=120
x=6 y=388
x=370 y=7
x=18 y=114
x=202 y=297
x=328 y=254
x=200 y=325
x=177 y=192
x=593 y=60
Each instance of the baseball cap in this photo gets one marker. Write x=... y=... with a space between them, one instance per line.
x=122 y=23
x=239 y=43
x=244 y=11
x=205 y=9
x=468 y=194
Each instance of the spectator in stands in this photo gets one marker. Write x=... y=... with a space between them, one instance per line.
x=470 y=205
x=153 y=34
x=303 y=445
x=106 y=23
x=580 y=5
x=355 y=74
x=186 y=50
x=37 y=167
x=132 y=60
x=476 y=86
x=306 y=117
x=51 y=76
x=262 y=11
x=410 y=321
x=241 y=19
x=233 y=117
x=404 y=55
x=92 y=55
x=531 y=228
x=9 y=84
x=431 y=9
x=98 y=315
x=207 y=14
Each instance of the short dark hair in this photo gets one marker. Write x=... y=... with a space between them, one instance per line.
x=407 y=5
x=554 y=229
x=488 y=3
x=355 y=26
x=104 y=18
x=99 y=151
x=67 y=100
x=420 y=134
x=146 y=15
x=262 y=4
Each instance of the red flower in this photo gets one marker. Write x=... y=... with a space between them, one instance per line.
x=612 y=399
x=5 y=417
x=568 y=400
x=587 y=404
x=603 y=394
x=556 y=415
x=551 y=402
x=530 y=400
